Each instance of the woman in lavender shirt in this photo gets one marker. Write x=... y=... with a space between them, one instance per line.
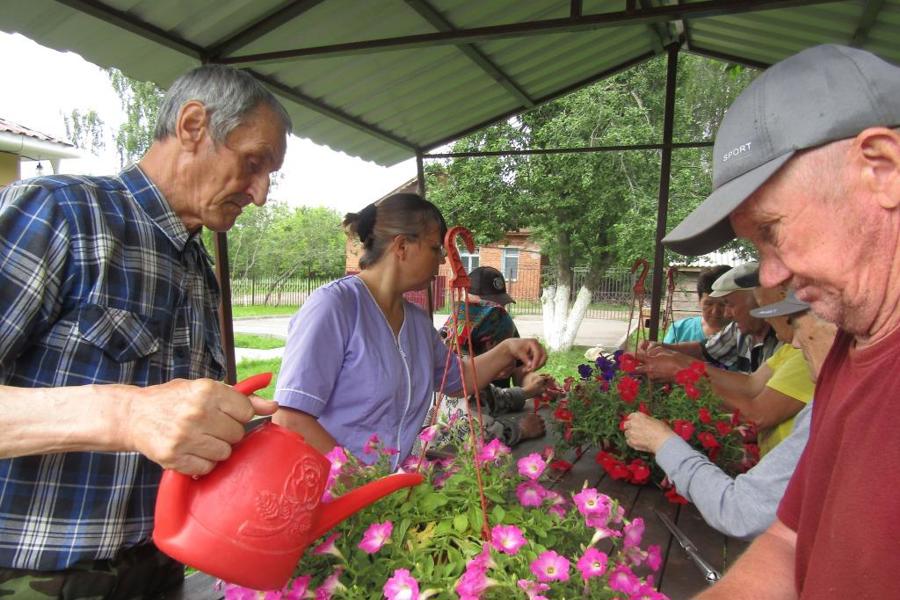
x=360 y=359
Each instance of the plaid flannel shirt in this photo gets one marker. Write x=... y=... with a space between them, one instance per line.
x=100 y=282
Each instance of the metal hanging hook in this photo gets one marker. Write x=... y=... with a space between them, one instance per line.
x=459 y=278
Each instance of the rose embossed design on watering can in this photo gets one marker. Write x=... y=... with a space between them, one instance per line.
x=250 y=519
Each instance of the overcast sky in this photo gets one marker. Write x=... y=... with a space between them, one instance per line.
x=41 y=85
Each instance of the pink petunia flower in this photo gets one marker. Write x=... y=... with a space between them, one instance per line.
x=533 y=589
x=330 y=585
x=531 y=466
x=589 y=502
x=412 y=463
x=530 y=493
x=337 y=456
x=298 y=589
x=592 y=563
x=558 y=503
x=376 y=536
x=507 y=538
x=492 y=451
x=329 y=547
x=550 y=566
x=372 y=445
x=633 y=531
x=427 y=434
x=474 y=580
x=401 y=586
x=622 y=579
x=654 y=557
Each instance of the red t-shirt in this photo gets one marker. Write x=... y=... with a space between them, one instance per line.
x=844 y=498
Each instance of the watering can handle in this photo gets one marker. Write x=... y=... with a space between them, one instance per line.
x=172 y=503
x=253 y=383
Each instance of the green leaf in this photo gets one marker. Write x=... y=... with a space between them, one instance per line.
x=460 y=523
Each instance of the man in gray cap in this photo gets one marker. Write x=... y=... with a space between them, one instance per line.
x=807 y=167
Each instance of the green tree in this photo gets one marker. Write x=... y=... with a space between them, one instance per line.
x=589 y=210
x=140 y=100
x=86 y=130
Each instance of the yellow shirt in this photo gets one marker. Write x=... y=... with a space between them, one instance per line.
x=790 y=376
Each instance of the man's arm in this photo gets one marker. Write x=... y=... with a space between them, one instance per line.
x=765 y=570
x=183 y=425
x=768 y=409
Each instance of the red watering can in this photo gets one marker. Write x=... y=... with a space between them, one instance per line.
x=250 y=519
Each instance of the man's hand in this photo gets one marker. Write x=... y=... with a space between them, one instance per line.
x=189 y=426
x=660 y=364
x=531 y=426
x=646 y=434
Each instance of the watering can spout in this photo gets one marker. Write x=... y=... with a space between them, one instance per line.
x=332 y=513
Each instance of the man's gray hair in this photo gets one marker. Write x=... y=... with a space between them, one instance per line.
x=228 y=95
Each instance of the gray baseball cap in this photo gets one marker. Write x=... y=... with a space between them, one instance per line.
x=791 y=305
x=820 y=95
x=741 y=277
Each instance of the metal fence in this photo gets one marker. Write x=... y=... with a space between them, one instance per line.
x=610 y=300
x=272 y=291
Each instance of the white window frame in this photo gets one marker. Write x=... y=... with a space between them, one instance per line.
x=509 y=253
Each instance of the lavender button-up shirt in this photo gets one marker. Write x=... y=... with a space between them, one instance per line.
x=344 y=366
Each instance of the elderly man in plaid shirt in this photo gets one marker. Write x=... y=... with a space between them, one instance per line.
x=110 y=349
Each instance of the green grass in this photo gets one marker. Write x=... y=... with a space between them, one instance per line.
x=246 y=368
x=565 y=364
x=238 y=312
x=257 y=342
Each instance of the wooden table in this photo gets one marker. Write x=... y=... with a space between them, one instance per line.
x=679 y=578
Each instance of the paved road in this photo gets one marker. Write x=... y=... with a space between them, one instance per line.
x=593 y=332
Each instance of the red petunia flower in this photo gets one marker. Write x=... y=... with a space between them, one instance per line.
x=691 y=392
x=704 y=416
x=642 y=407
x=686 y=377
x=628 y=389
x=698 y=367
x=561 y=465
x=724 y=427
x=619 y=471
x=708 y=440
x=562 y=413
x=628 y=362
x=640 y=472
x=684 y=429
x=674 y=497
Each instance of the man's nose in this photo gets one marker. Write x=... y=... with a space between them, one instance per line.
x=258 y=189
x=773 y=272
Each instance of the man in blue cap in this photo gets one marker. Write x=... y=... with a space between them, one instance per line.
x=807 y=167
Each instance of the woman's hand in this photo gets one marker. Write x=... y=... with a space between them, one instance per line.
x=646 y=434
x=535 y=384
x=528 y=351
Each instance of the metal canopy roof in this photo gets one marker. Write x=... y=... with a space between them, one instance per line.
x=385 y=79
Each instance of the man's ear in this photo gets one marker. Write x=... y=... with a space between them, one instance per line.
x=192 y=125
x=880 y=157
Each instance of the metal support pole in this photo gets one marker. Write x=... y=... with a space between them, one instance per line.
x=420 y=189
x=225 y=316
x=662 y=207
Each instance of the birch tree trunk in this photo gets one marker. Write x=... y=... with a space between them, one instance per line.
x=547 y=309
x=560 y=314
x=576 y=316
